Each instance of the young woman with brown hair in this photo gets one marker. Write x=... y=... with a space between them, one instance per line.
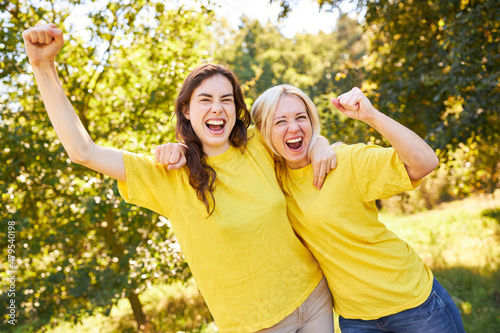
x=226 y=208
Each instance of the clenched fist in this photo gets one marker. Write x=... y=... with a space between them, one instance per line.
x=43 y=43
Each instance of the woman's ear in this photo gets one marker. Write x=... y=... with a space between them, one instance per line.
x=185 y=112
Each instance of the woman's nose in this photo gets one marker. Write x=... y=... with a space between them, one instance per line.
x=293 y=127
x=217 y=106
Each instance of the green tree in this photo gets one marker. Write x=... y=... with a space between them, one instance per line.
x=443 y=75
x=252 y=52
x=345 y=73
x=434 y=66
x=318 y=64
x=79 y=247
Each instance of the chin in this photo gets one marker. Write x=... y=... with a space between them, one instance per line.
x=297 y=163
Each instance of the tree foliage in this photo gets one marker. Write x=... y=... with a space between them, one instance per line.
x=79 y=247
x=323 y=65
x=434 y=66
x=443 y=60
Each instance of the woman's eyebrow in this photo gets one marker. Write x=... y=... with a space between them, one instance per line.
x=209 y=95
x=204 y=94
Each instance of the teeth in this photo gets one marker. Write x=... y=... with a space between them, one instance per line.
x=294 y=140
x=215 y=122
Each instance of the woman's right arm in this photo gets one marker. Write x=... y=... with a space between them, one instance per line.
x=42 y=44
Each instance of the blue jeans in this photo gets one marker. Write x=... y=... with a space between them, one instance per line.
x=438 y=314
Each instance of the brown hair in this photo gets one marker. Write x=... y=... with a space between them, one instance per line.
x=202 y=176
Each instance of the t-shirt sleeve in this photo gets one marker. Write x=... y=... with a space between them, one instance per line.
x=254 y=134
x=379 y=173
x=149 y=184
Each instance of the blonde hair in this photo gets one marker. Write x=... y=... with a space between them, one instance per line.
x=264 y=108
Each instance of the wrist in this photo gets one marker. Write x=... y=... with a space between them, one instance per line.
x=43 y=65
x=375 y=118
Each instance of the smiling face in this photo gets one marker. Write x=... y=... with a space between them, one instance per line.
x=212 y=114
x=291 y=131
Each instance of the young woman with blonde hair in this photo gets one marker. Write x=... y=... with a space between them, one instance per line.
x=378 y=282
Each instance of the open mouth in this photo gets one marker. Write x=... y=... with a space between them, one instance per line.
x=295 y=143
x=216 y=126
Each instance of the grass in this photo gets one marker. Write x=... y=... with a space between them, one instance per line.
x=460 y=241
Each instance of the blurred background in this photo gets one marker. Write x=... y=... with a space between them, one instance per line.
x=88 y=262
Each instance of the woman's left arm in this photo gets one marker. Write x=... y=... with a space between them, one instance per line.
x=418 y=157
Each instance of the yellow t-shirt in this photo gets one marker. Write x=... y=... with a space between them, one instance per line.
x=371 y=272
x=247 y=262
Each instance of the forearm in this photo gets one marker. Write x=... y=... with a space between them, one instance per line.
x=418 y=157
x=42 y=44
x=69 y=128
